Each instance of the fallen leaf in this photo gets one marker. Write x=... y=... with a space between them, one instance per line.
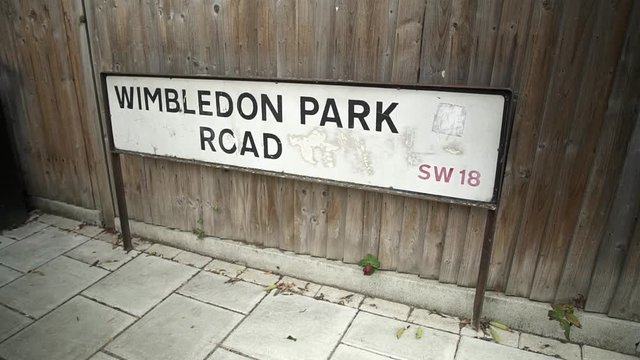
x=499 y=325
x=419 y=333
x=494 y=334
x=270 y=287
x=400 y=331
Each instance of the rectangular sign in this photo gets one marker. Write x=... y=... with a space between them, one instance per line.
x=439 y=142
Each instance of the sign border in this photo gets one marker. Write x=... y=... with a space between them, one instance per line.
x=503 y=146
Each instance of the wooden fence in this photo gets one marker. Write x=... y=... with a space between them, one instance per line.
x=566 y=226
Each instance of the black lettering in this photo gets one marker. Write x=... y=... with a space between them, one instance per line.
x=358 y=115
x=248 y=138
x=202 y=102
x=156 y=95
x=219 y=111
x=267 y=103
x=173 y=99
x=383 y=116
x=303 y=109
x=208 y=139
x=265 y=141
x=254 y=106
x=224 y=132
x=125 y=99
x=139 y=98
x=331 y=105
x=184 y=103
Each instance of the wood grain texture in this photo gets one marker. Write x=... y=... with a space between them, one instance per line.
x=577 y=24
x=618 y=231
x=535 y=76
x=579 y=150
x=626 y=301
x=607 y=165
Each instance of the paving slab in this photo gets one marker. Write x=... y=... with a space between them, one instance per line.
x=216 y=289
x=88 y=230
x=102 y=254
x=5 y=241
x=37 y=249
x=594 y=353
x=551 y=347
x=259 y=277
x=7 y=275
x=11 y=322
x=317 y=327
x=508 y=338
x=60 y=222
x=301 y=287
x=225 y=268
x=192 y=259
x=178 y=328
x=386 y=308
x=75 y=330
x=377 y=334
x=475 y=349
x=102 y=356
x=339 y=296
x=435 y=320
x=345 y=352
x=25 y=230
x=163 y=251
x=41 y=291
x=224 y=354
x=140 y=284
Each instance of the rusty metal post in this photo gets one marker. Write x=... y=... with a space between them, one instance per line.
x=122 y=202
x=483 y=272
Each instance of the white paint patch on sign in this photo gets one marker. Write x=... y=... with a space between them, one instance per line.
x=440 y=143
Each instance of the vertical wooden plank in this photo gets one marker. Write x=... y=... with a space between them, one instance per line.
x=311 y=218
x=605 y=47
x=608 y=163
x=336 y=222
x=390 y=231
x=454 y=243
x=353 y=229
x=535 y=77
x=80 y=60
x=434 y=240
x=626 y=301
x=618 y=232
x=286 y=210
x=577 y=22
x=414 y=228
x=468 y=273
x=372 y=210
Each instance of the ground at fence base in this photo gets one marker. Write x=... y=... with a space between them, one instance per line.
x=67 y=289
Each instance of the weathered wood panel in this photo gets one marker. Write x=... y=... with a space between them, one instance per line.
x=569 y=141
x=570 y=55
x=614 y=247
x=44 y=52
x=580 y=145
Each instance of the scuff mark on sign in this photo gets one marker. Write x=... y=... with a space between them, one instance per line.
x=315 y=148
x=362 y=163
x=413 y=157
x=449 y=120
x=454 y=148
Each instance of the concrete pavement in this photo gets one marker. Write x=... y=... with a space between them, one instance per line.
x=67 y=293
